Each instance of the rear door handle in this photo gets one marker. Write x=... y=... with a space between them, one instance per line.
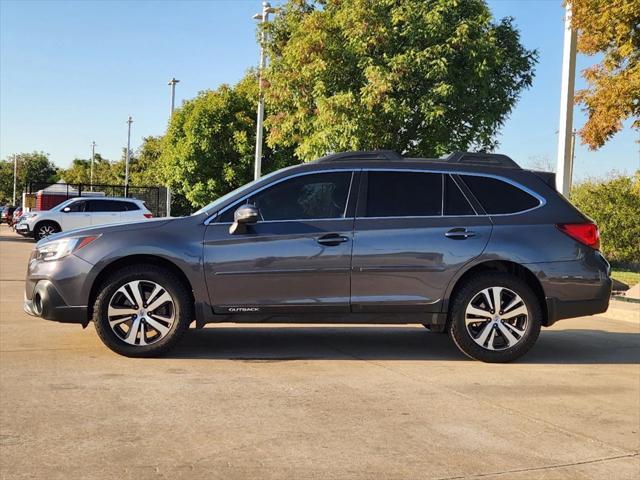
x=332 y=239
x=459 y=233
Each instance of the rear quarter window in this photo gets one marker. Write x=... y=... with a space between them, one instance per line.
x=499 y=197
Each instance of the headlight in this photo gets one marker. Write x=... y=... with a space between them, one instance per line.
x=57 y=249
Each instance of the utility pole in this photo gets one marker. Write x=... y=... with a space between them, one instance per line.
x=263 y=18
x=128 y=158
x=172 y=84
x=93 y=157
x=15 y=177
x=564 y=168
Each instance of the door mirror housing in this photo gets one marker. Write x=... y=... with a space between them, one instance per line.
x=245 y=215
x=66 y=209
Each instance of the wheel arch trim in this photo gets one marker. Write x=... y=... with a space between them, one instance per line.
x=499 y=265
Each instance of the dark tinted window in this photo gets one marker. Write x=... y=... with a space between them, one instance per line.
x=404 y=194
x=76 y=206
x=497 y=196
x=314 y=196
x=130 y=206
x=106 y=206
x=455 y=202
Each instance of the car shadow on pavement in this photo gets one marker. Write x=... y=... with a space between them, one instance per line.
x=271 y=344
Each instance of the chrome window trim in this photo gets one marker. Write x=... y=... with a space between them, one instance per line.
x=542 y=201
x=264 y=187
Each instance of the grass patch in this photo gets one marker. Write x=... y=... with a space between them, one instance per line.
x=629 y=277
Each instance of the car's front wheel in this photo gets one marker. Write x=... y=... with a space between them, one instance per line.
x=44 y=229
x=142 y=311
x=495 y=317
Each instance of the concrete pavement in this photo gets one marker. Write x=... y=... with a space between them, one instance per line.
x=312 y=402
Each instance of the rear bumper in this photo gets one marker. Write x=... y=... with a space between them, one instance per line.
x=575 y=288
x=46 y=302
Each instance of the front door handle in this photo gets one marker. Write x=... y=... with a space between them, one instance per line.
x=459 y=233
x=332 y=239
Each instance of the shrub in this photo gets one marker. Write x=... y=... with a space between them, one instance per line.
x=614 y=204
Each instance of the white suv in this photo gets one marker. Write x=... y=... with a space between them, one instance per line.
x=81 y=212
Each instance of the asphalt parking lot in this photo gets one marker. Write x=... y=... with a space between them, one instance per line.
x=370 y=402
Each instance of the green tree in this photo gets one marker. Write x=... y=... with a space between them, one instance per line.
x=610 y=28
x=80 y=171
x=422 y=77
x=34 y=167
x=208 y=149
x=614 y=204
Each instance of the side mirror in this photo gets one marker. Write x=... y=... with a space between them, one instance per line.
x=66 y=209
x=243 y=216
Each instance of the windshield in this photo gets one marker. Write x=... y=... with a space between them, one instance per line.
x=219 y=201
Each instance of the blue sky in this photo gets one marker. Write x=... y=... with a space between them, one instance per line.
x=72 y=71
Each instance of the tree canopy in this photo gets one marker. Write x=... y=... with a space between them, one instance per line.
x=32 y=167
x=608 y=27
x=422 y=77
x=208 y=149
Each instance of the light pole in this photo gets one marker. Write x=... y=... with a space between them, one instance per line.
x=263 y=18
x=15 y=177
x=128 y=157
x=564 y=168
x=93 y=157
x=172 y=84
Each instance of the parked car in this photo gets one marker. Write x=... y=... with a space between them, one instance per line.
x=7 y=214
x=15 y=217
x=81 y=212
x=471 y=244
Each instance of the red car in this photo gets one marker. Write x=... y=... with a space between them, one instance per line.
x=7 y=214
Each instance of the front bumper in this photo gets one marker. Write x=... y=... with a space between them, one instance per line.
x=46 y=302
x=24 y=230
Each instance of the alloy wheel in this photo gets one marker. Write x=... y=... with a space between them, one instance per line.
x=46 y=230
x=496 y=318
x=141 y=312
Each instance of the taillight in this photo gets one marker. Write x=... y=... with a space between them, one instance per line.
x=585 y=233
x=148 y=215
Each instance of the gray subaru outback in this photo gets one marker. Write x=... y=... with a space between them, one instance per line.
x=471 y=244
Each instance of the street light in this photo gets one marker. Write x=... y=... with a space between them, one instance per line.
x=127 y=158
x=172 y=84
x=93 y=156
x=15 y=177
x=263 y=18
x=566 y=138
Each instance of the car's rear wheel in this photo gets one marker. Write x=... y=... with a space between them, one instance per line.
x=44 y=229
x=142 y=311
x=495 y=317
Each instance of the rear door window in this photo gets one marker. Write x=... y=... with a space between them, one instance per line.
x=404 y=194
x=106 y=206
x=499 y=197
x=455 y=203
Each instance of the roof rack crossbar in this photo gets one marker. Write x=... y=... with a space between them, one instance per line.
x=362 y=155
x=488 y=159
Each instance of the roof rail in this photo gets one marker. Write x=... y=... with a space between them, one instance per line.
x=361 y=155
x=487 y=159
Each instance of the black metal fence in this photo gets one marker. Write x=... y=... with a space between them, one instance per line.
x=155 y=198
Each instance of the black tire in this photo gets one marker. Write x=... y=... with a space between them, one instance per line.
x=468 y=291
x=179 y=292
x=44 y=229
